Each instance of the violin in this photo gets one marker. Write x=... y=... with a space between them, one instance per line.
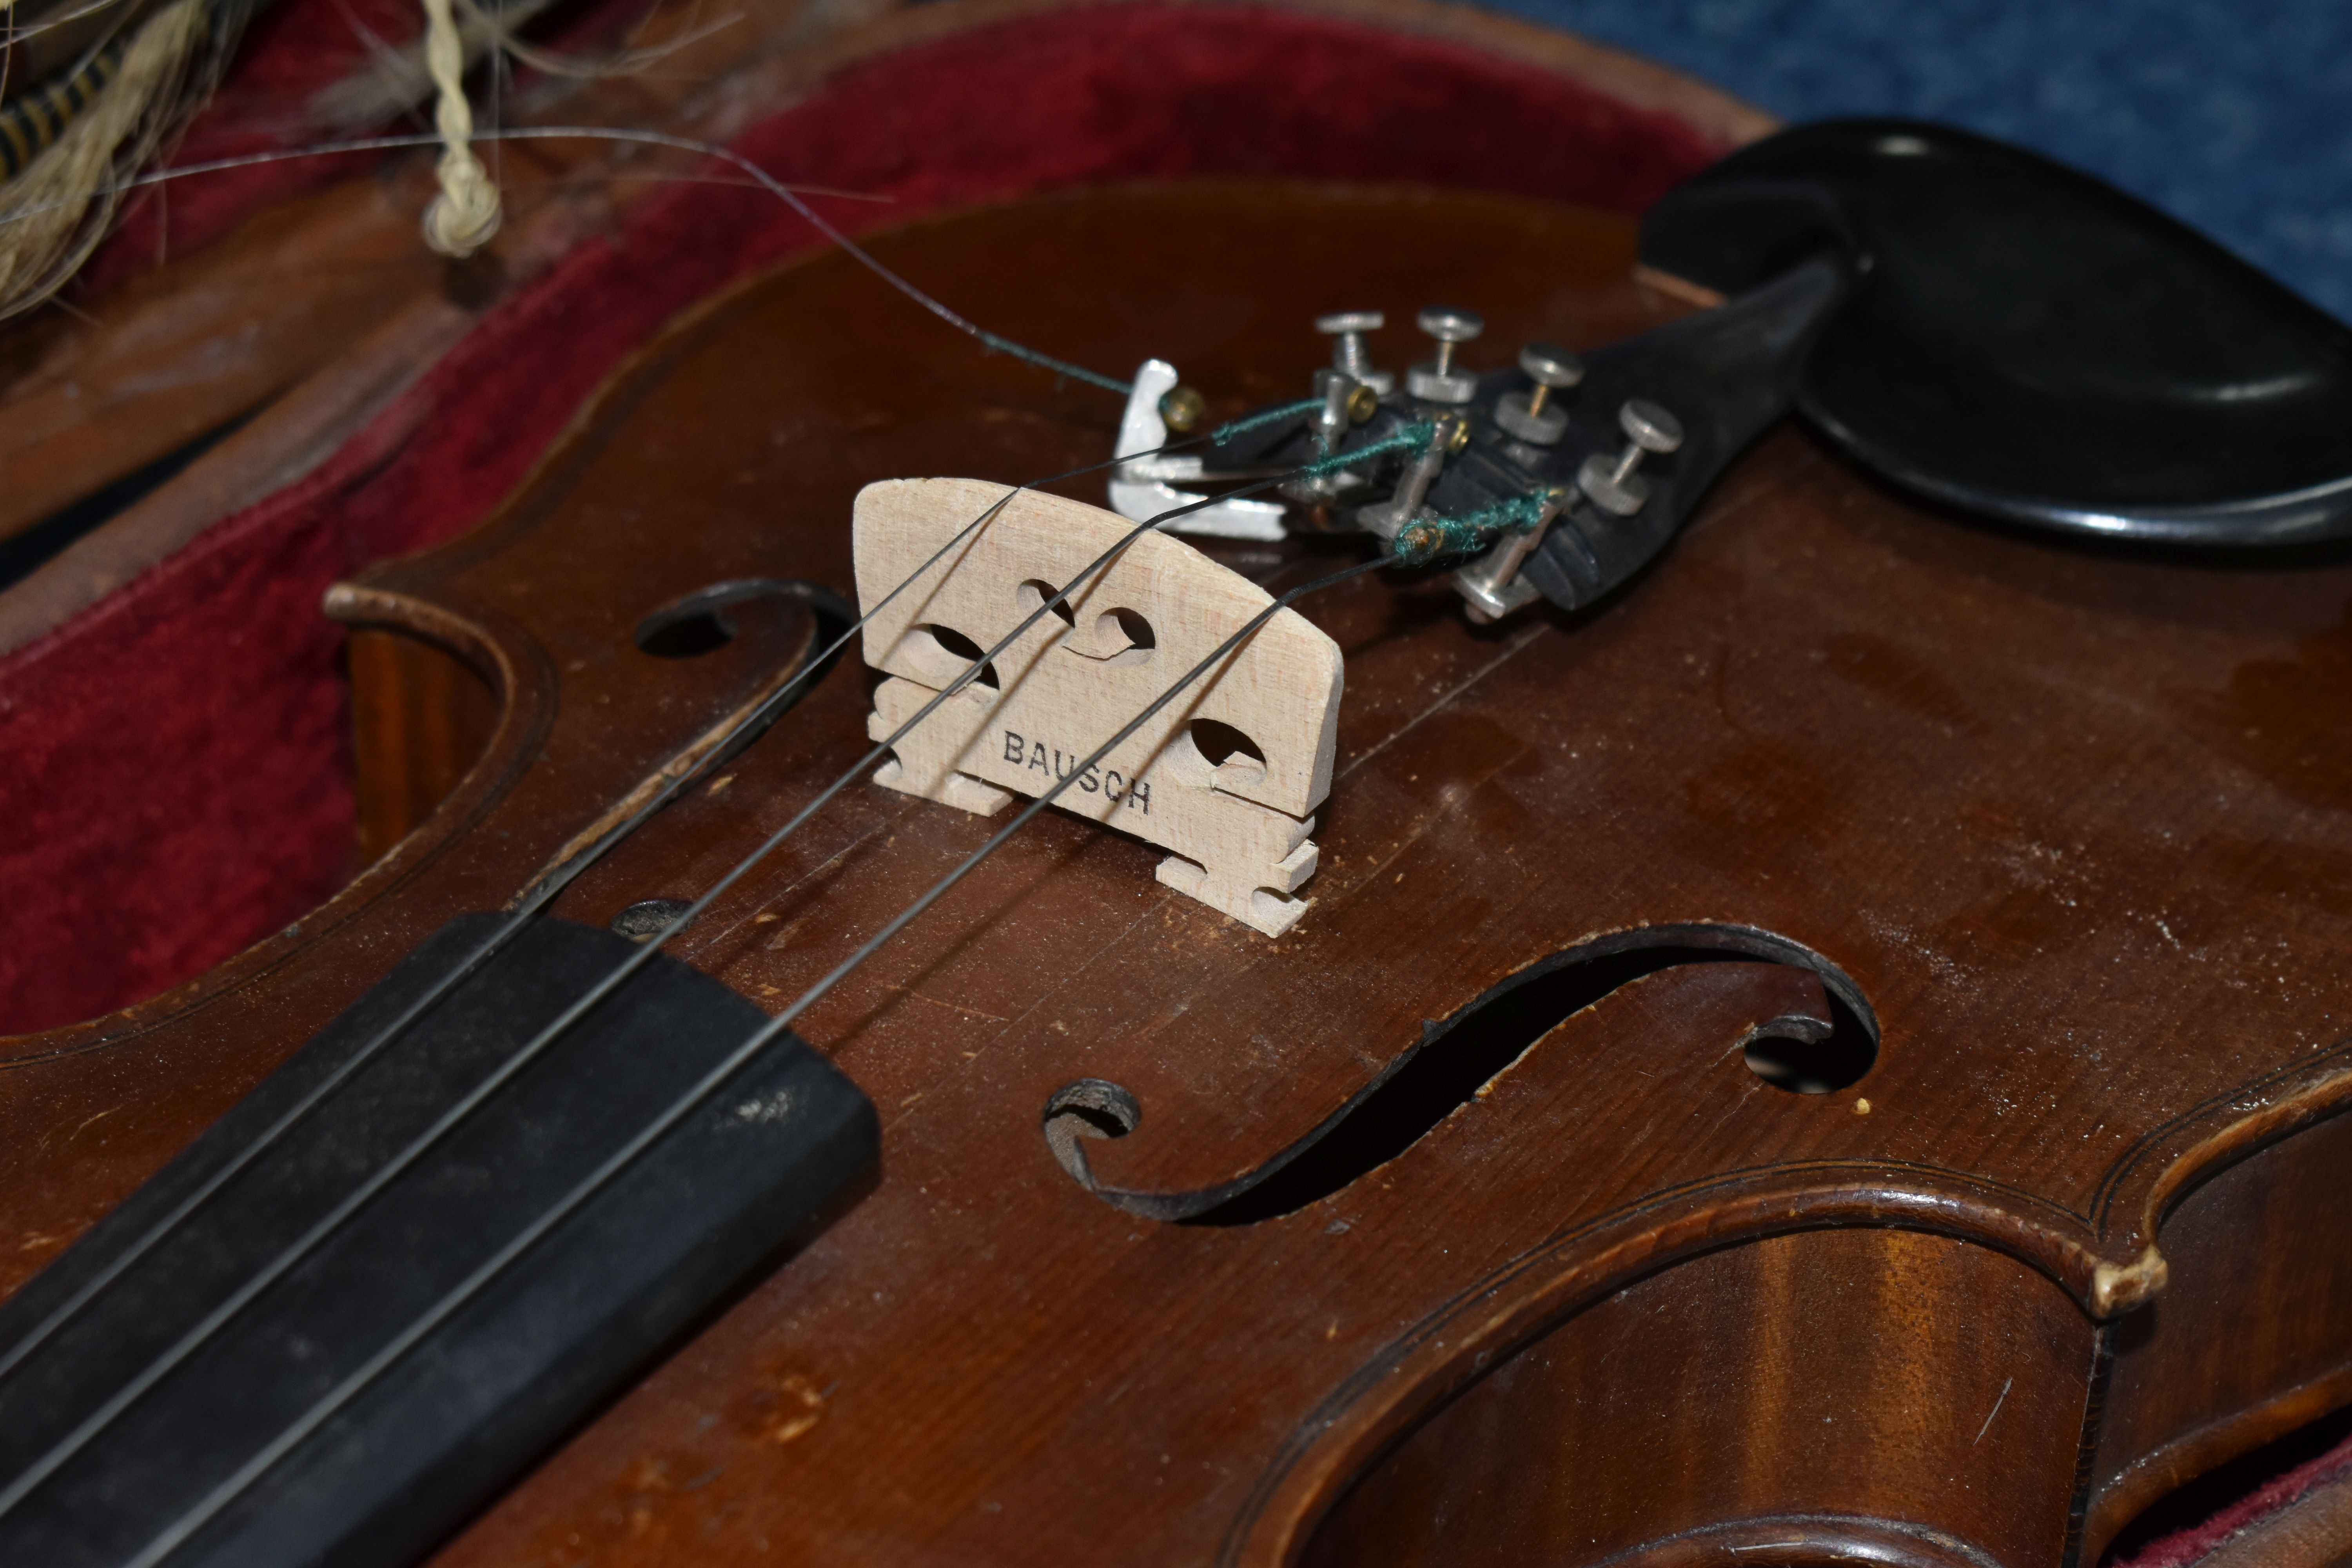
x=1828 y=1045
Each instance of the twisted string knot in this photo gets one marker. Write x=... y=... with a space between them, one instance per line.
x=465 y=216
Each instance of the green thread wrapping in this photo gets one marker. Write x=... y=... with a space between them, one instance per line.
x=1428 y=539
x=1409 y=436
x=1224 y=433
x=1062 y=367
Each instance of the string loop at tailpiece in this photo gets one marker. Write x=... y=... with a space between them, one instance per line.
x=1228 y=431
x=1428 y=539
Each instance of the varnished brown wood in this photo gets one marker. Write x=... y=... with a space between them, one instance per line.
x=2253 y=1337
x=420 y=719
x=2313 y=1532
x=1749 y=1399
x=2070 y=826
x=180 y=353
x=316 y=311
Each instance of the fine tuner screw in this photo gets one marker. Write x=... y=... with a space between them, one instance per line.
x=1492 y=585
x=1346 y=401
x=1450 y=436
x=1438 y=381
x=1348 y=355
x=1614 y=487
x=1529 y=414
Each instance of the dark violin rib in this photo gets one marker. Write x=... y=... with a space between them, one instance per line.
x=2029 y=342
x=756 y=1172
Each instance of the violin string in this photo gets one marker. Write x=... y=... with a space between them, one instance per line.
x=12 y=33
x=534 y=897
x=360 y=1377
x=788 y=195
x=544 y=890
x=25 y=1482
x=541 y=894
x=541 y=891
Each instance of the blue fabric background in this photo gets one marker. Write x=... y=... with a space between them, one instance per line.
x=2234 y=115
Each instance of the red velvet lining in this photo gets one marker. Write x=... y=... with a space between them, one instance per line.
x=2186 y=1545
x=292 y=52
x=178 y=779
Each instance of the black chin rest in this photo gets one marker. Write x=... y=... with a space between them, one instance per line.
x=2026 y=342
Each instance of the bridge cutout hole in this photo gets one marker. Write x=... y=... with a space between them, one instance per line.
x=1035 y=591
x=1210 y=750
x=940 y=654
x=1456 y=1060
x=1123 y=637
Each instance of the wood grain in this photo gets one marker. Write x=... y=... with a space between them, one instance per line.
x=1821 y=1380
x=2062 y=831
x=1155 y=610
x=421 y=717
x=317 y=311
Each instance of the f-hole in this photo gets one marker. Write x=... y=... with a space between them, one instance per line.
x=1796 y=1055
x=1089 y=1108
x=689 y=628
x=687 y=636
x=710 y=619
x=1490 y=1035
x=423 y=716
x=700 y=622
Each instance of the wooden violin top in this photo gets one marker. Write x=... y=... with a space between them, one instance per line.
x=2053 y=843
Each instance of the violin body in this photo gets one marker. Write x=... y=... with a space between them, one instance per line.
x=1455 y=1224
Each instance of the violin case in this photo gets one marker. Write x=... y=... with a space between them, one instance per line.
x=173 y=706
x=287 y=389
